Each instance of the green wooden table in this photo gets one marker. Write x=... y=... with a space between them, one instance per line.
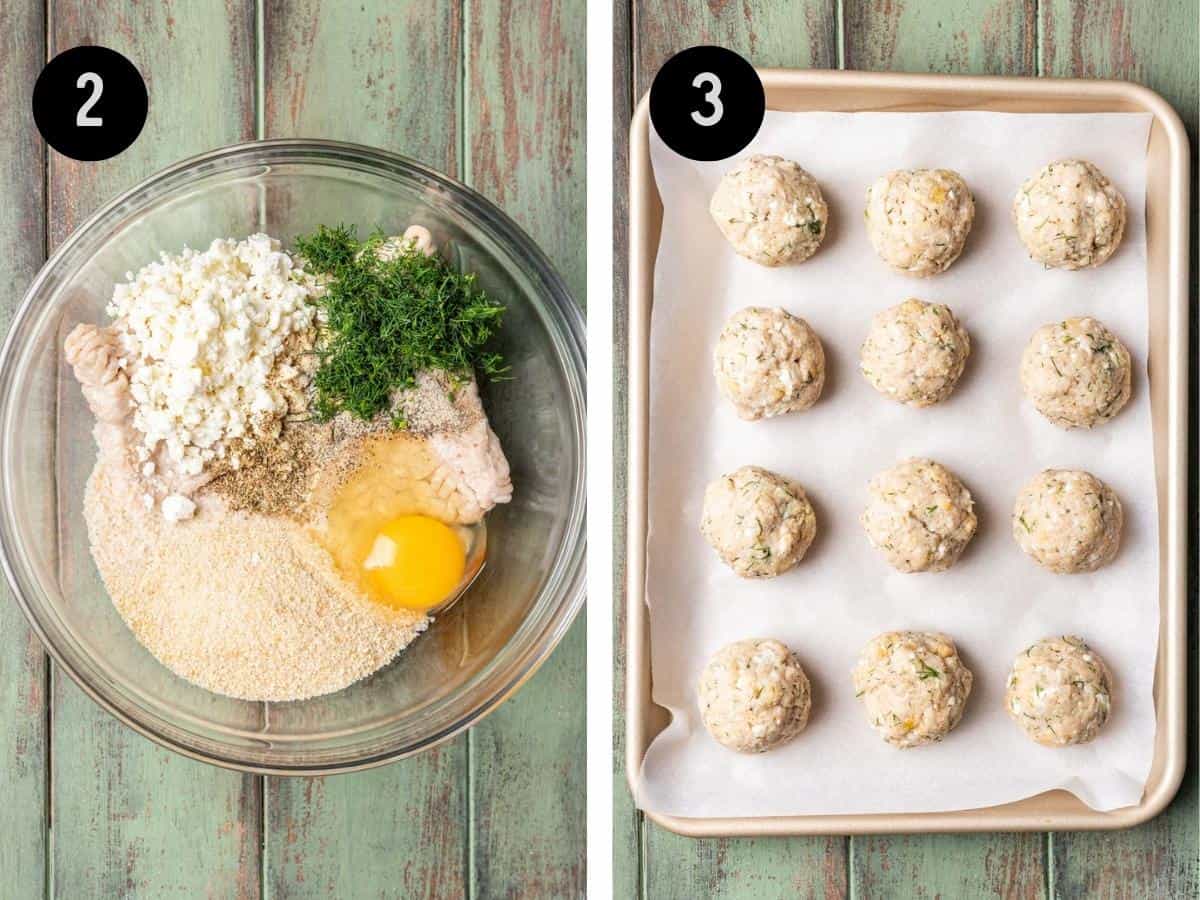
x=1153 y=42
x=488 y=90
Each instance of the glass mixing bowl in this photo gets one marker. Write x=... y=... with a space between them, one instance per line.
x=473 y=656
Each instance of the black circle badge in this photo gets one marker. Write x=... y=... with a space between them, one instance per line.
x=90 y=103
x=707 y=103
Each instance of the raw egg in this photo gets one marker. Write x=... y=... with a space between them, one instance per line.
x=415 y=562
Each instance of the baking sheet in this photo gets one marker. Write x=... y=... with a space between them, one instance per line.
x=995 y=601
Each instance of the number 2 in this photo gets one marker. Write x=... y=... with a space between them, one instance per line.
x=82 y=118
x=712 y=98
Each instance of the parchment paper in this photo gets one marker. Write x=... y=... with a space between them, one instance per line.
x=995 y=601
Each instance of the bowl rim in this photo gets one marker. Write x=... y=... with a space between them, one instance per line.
x=570 y=319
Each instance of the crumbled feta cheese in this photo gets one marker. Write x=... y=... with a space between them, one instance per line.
x=202 y=332
x=176 y=507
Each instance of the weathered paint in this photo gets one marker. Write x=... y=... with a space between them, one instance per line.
x=996 y=37
x=128 y=817
x=524 y=114
x=944 y=865
x=775 y=33
x=381 y=72
x=23 y=664
x=396 y=831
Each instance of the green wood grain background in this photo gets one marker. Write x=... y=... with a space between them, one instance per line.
x=1153 y=42
x=488 y=90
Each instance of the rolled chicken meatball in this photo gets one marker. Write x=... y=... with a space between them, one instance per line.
x=919 y=516
x=1076 y=372
x=761 y=524
x=1069 y=215
x=915 y=352
x=1059 y=692
x=1069 y=521
x=754 y=695
x=913 y=686
x=770 y=210
x=918 y=219
x=768 y=362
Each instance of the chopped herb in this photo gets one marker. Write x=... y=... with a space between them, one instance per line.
x=386 y=320
x=926 y=671
x=814 y=227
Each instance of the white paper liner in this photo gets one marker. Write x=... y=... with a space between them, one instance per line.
x=995 y=601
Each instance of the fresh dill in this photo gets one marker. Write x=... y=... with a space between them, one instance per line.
x=384 y=320
x=926 y=671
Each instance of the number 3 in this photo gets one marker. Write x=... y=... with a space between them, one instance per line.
x=82 y=118
x=712 y=98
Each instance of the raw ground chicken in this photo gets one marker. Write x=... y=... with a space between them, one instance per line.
x=913 y=686
x=915 y=352
x=919 y=516
x=754 y=695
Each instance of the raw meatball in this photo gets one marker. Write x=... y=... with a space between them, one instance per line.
x=1068 y=521
x=770 y=210
x=915 y=352
x=768 y=362
x=754 y=695
x=913 y=686
x=919 y=515
x=1076 y=372
x=918 y=219
x=761 y=524
x=1059 y=691
x=1069 y=215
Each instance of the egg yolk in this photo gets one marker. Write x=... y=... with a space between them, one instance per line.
x=415 y=562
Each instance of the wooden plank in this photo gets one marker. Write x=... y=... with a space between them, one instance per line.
x=995 y=37
x=777 y=33
x=377 y=72
x=679 y=868
x=23 y=665
x=386 y=74
x=1152 y=42
x=396 y=831
x=524 y=120
x=1155 y=44
x=129 y=817
x=525 y=117
x=627 y=821
x=963 y=865
x=528 y=786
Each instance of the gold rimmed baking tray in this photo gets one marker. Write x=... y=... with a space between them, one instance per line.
x=1167 y=213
